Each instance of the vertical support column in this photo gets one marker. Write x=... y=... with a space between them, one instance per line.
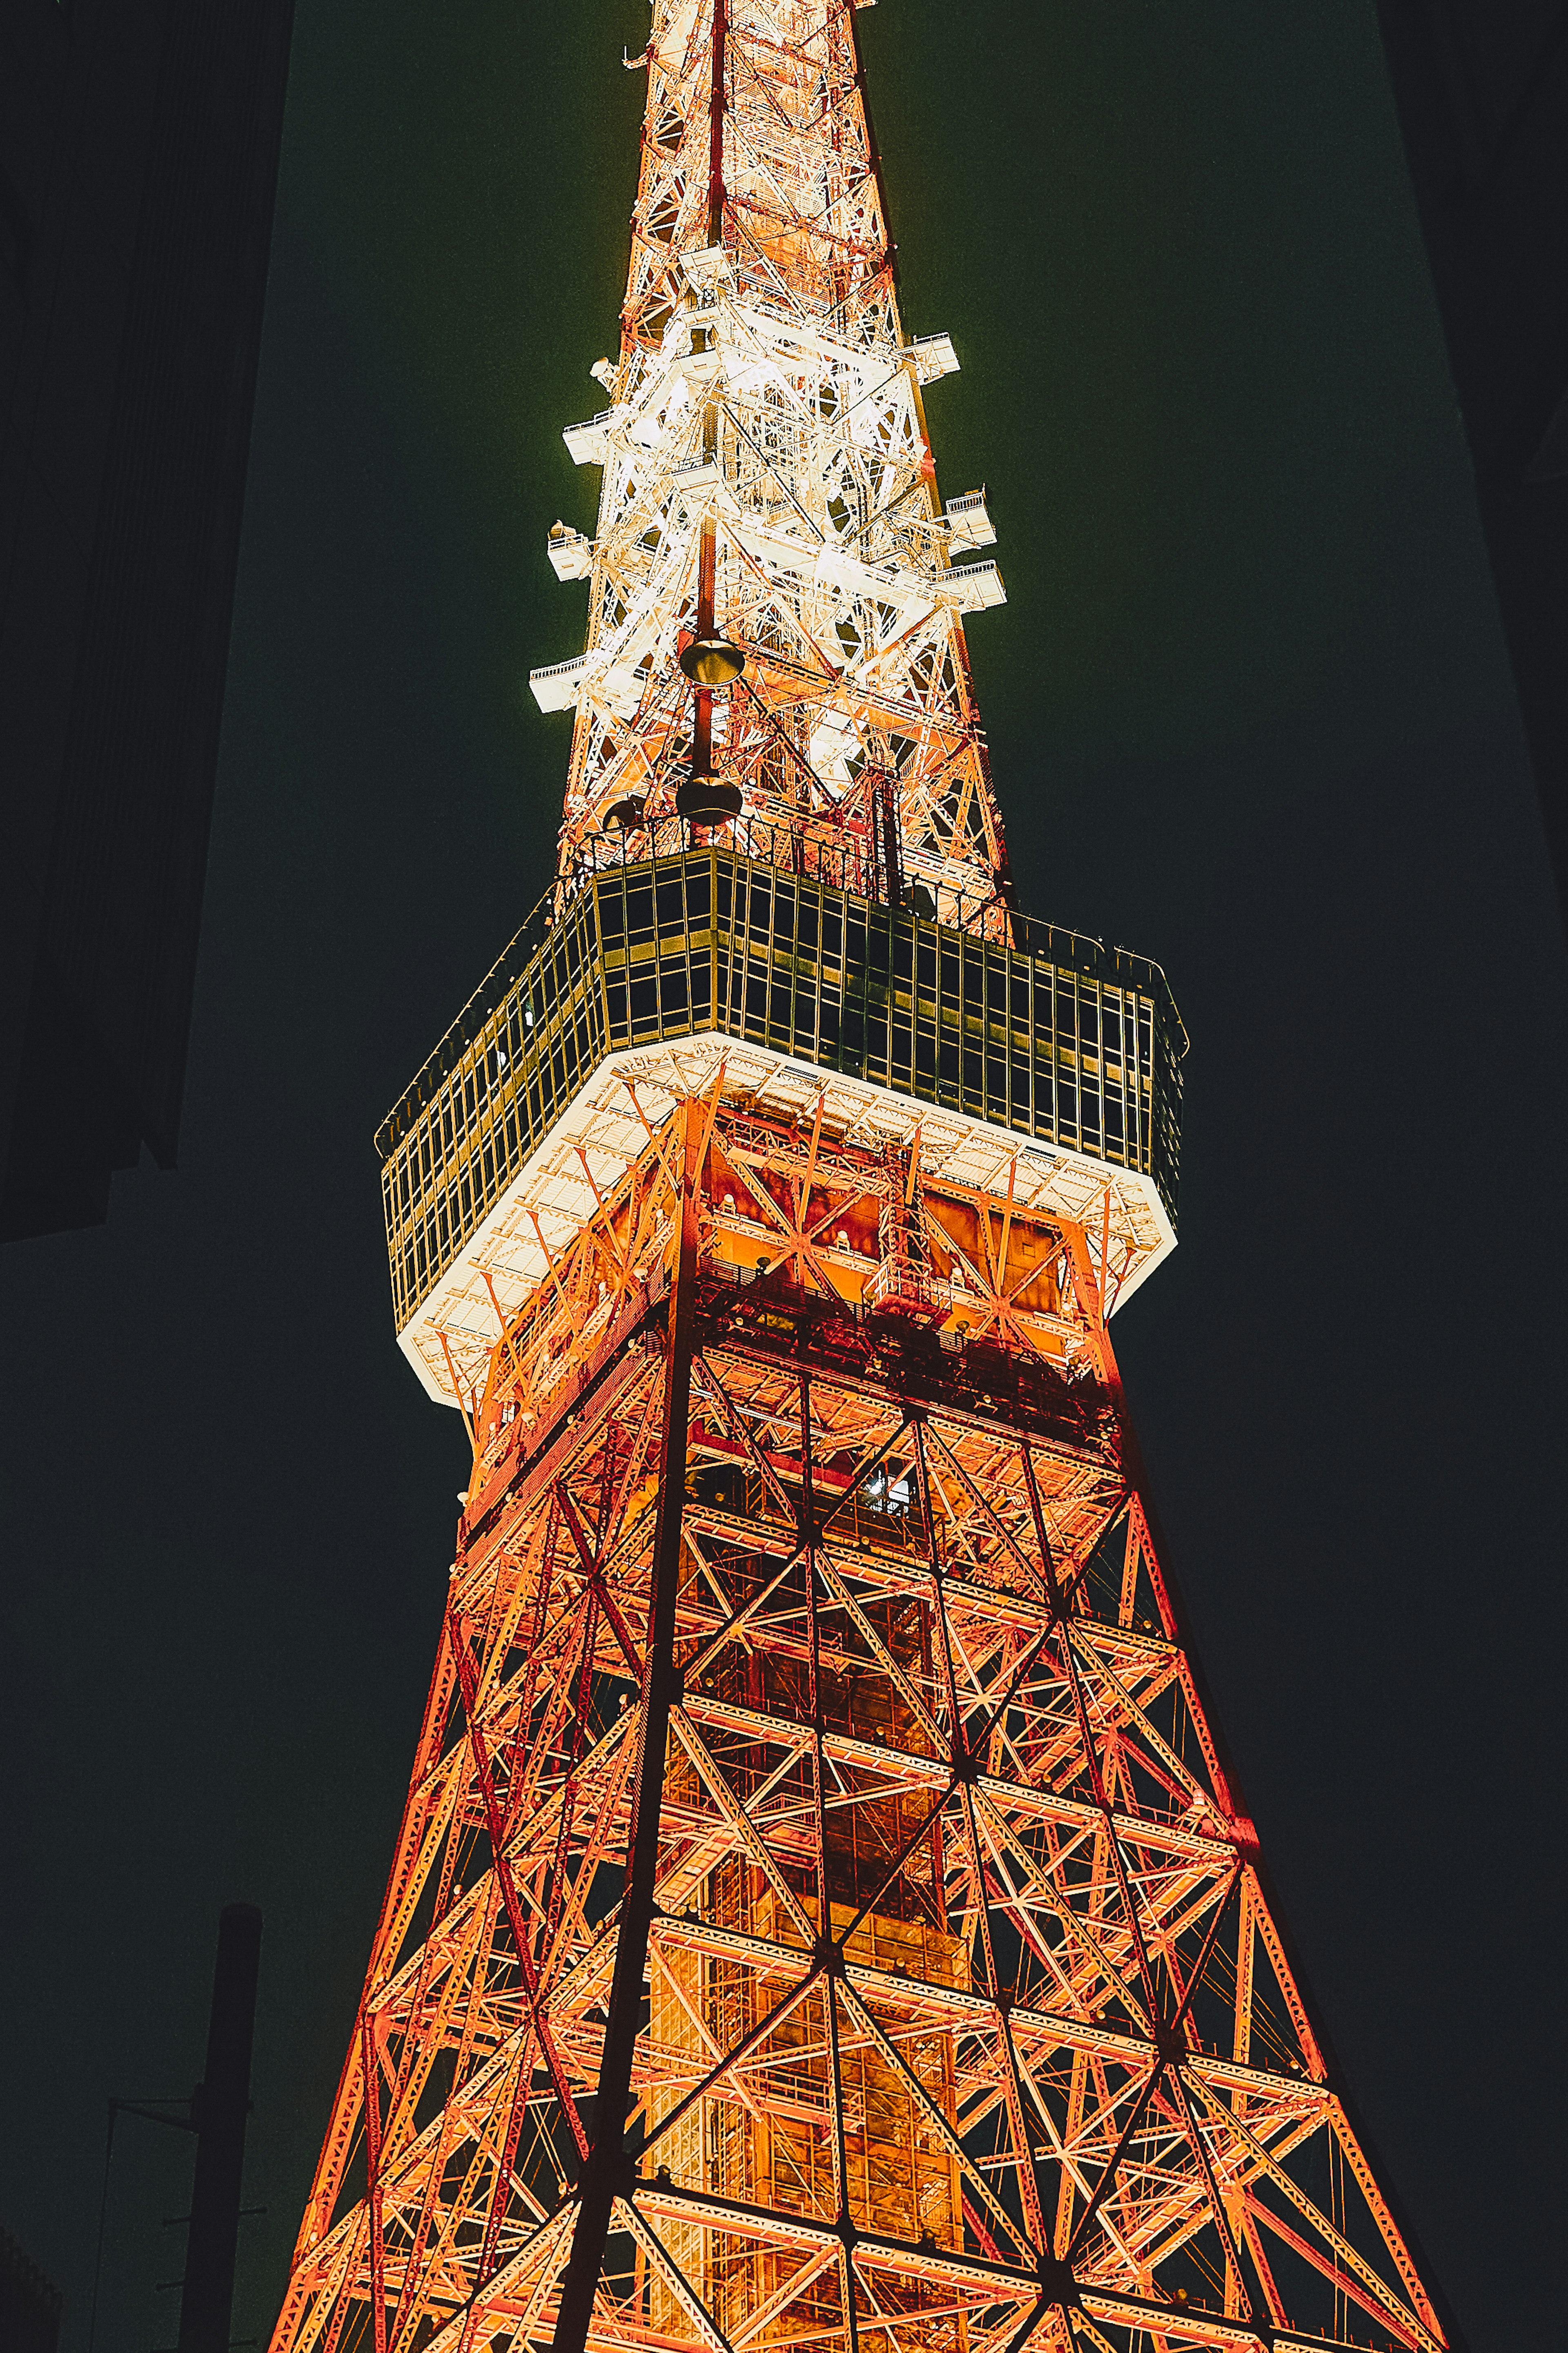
x=605 y=2170
x=702 y=731
x=716 y=128
x=221 y=2104
x=892 y=863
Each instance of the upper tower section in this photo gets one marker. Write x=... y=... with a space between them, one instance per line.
x=775 y=657
x=781 y=879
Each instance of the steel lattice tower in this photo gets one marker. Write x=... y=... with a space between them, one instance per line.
x=821 y=1917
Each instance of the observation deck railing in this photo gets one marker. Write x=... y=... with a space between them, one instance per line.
x=1055 y=1037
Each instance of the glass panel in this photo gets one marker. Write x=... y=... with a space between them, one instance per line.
x=674 y=990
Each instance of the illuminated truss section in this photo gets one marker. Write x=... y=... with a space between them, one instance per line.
x=813 y=1776
x=768 y=481
x=822 y=1920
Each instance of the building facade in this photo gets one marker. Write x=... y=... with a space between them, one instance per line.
x=139 y=149
x=1482 y=91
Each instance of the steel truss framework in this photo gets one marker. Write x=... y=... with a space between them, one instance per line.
x=821 y=1916
x=766 y=408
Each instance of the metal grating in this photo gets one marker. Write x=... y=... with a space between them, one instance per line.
x=1056 y=1037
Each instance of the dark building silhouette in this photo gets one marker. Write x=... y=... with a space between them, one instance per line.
x=1482 y=91
x=30 y=2305
x=139 y=146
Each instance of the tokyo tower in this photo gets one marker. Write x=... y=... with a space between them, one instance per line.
x=821 y=1916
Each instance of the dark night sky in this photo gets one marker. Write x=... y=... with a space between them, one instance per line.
x=1250 y=713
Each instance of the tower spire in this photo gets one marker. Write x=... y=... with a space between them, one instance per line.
x=822 y=1919
x=769 y=490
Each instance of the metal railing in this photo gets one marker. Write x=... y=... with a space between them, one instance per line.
x=983 y=916
x=1065 y=1043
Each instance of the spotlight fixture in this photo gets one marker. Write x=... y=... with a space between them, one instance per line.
x=712 y=661
x=706 y=801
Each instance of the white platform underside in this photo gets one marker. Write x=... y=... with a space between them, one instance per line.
x=602 y=1123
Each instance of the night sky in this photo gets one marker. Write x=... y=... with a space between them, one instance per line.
x=1250 y=713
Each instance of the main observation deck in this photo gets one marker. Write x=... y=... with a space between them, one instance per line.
x=1045 y=1071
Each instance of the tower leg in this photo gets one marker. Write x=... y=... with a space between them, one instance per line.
x=606 y=2159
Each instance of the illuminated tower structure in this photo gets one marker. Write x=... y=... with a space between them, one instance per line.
x=822 y=1917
